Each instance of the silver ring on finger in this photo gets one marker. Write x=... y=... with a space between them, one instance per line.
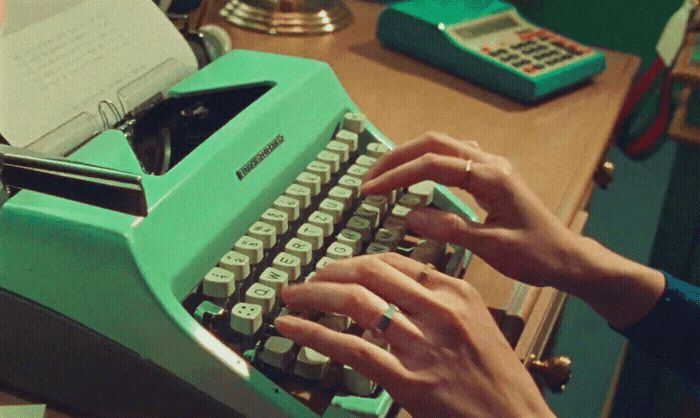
x=468 y=174
x=385 y=320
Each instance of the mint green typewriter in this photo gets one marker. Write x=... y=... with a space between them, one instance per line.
x=140 y=274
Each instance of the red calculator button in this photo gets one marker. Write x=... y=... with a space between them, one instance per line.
x=530 y=69
x=527 y=35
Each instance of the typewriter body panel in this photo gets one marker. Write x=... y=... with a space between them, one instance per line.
x=125 y=277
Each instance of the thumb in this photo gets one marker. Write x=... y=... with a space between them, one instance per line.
x=446 y=226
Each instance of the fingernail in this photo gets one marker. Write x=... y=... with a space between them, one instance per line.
x=281 y=322
x=366 y=185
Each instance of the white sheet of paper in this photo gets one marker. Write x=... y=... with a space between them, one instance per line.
x=59 y=59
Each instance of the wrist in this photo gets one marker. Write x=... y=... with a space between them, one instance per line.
x=619 y=289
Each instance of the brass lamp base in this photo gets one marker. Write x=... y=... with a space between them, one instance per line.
x=288 y=16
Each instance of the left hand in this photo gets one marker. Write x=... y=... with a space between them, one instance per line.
x=447 y=356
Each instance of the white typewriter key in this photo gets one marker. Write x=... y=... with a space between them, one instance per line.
x=351 y=183
x=262 y=295
x=340 y=194
x=330 y=158
x=395 y=224
x=289 y=264
x=289 y=206
x=391 y=196
x=356 y=383
x=219 y=283
x=400 y=211
x=321 y=169
x=274 y=278
x=323 y=262
x=351 y=238
x=379 y=202
x=354 y=122
x=371 y=213
x=311 y=234
x=351 y=139
x=333 y=208
x=339 y=251
x=264 y=232
x=365 y=161
x=323 y=221
x=310 y=180
x=388 y=237
x=301 y=249
x=252 y=247
x=334 y=321
x=376 y=150
x=337 y=147
x=410 y=201
x=276 y=218
x=377 y=248
x=361 y=226
x=311 y=364
x=309 y=276
x=358 y=171
x=278 y=352
x=246 y=318
x=424 y=190
x=237 y=263
x=301 y=193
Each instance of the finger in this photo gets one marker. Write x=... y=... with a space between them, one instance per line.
x=429 y=143
x=355 y=301
x=473 y=143
x=370 y=360
x=449 y=171
x=422 y=273
x=380 y=278
x=448 y=227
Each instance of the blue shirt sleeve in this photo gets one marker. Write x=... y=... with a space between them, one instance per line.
x=670 y=332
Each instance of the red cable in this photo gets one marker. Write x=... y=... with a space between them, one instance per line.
x=639 y=90
x=645 y=141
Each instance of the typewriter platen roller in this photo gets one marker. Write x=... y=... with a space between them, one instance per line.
x=125 y=294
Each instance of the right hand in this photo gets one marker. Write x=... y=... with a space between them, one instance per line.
x=520 y=237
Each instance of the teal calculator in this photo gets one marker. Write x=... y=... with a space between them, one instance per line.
x=490 y=43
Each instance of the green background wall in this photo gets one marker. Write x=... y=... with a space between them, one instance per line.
x=645 y=195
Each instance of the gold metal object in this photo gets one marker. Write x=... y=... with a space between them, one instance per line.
x=604 y=175
x=288 y=16
x=423 y=275
x=553 y=372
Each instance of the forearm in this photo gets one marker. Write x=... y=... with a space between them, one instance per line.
x=620 y=290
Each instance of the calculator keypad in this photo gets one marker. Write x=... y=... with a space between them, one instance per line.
x=536 y=51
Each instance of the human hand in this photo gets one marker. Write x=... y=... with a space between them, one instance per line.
x=447 y=358
x=520 y=237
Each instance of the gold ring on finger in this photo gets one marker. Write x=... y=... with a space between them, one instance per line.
x=423 y=275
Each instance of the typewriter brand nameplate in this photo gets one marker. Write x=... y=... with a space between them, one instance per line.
x=259 y=157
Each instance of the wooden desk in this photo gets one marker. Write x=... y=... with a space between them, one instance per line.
x=557 y=145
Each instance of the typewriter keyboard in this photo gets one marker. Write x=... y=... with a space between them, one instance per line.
x=321 y=217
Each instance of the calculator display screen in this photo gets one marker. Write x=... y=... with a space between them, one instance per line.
x=490 y=26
